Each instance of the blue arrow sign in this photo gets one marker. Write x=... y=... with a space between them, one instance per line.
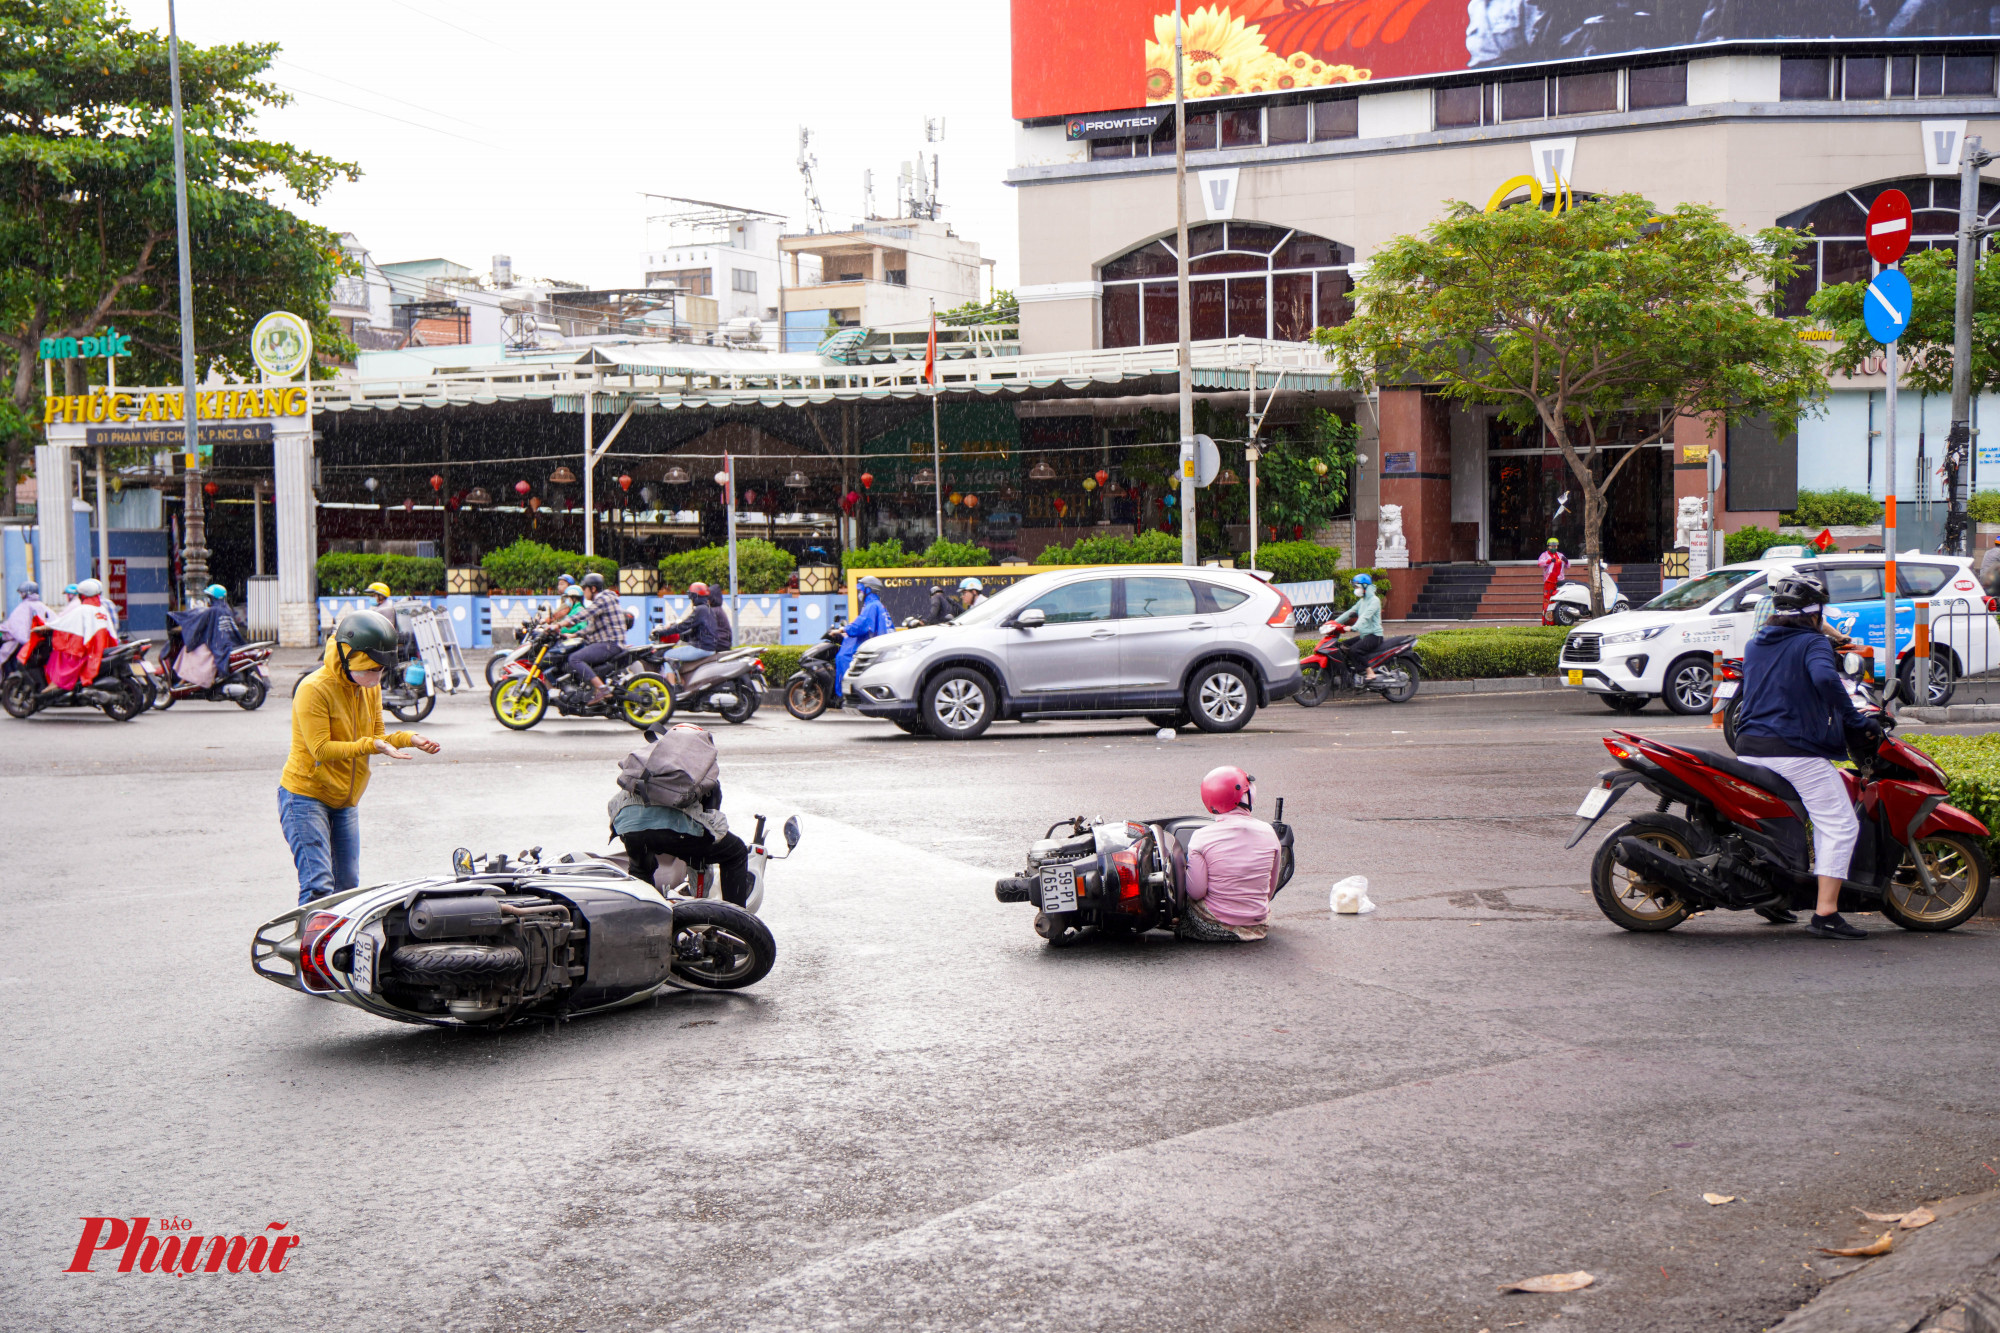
x=1886 y=306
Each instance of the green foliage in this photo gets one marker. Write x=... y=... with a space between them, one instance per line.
x=1751 y=542
x=760 y=567
x=1972 y=766
x=1004 y=308
x=1147 y=548
x=534 y=566
x=87 y=225
x=1925 y=349
x=1295 y=562
x=880 y=555
x=1484 y=654
x=1602 y=324
x=954 y=555
x=1836 y=508
x=342 y=572
x=780 y=661
x=1984 y=506
x=1291 y=489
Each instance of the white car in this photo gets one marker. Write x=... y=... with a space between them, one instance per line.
x=1667 y=647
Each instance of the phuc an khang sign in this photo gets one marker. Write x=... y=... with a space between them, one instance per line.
x=144 y=405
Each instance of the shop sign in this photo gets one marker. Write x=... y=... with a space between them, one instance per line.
x=1399 y=465
x=108 y=343
x=1117 y=124
x=281 y=344
x=1694 y=453
x=119 y=406
x=175 y=437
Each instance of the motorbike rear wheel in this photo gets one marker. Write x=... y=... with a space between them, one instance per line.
x=1959 y=871
x=805 y=699
x=496 y=666
x=645 y=700
x=736 y=948
x=255 y=691
x=1564 y=613
x=17 y=696
x=416 y=712
x=1412 y=674
x=127 y=700
x=456 y=962
x=1318 y=688
x=163 y=697
x=1621 y=895
x=518 y=703
x=740 y=711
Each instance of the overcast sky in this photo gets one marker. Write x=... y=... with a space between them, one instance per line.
x=531 y=129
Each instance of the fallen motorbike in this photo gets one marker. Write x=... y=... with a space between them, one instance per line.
x=544 y=676
x=1741 y=843
x=507 y=942
x=810 y=691
x=241 y=680
x=1326 y=669
x=730 y=683
x=119 y=688
x=1115 y=877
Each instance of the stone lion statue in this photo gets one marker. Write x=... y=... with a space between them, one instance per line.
x=1691 y=521
x=1389 y=533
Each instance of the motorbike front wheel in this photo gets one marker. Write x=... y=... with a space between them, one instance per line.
x=415 y=712
x=17 y=696
x=1959 y=879
x=645 y=700
x=1630 y=901
x=805 y=698
x=736 y=948
x=519 y=702
x=255 y=691
x=1403 y=690
x=1318 y=688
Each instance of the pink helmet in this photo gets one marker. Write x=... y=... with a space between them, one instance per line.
x=1226 y=789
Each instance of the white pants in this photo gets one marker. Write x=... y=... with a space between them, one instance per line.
x=1824 y=794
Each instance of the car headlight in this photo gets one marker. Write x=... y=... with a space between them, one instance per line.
x=1636 y=635
x=896 y=650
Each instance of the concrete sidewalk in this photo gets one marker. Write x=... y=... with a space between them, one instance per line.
x=1943 y=1278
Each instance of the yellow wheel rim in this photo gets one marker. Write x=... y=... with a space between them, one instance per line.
x=1953 y=875
x=518 y=701
x=647 y=704
x=1641 y=898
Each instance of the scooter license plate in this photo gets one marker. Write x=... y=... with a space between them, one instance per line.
x=1725 y=689
x=1594 y=802
x=362 y=974
x=1059 y=889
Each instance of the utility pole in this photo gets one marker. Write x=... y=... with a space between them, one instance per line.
x=1958 y=444
x=1181 y=248
x=194 y=533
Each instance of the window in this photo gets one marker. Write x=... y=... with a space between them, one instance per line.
x=698 y=281
x=896 y=277
x=743 y=279
x=1968 y=76
x=1835 y=252
x=1249 y=279
x=1243 y=128
x=1201 y=131
x=1458 y=107
x=1656 y=85
x=1336 y=120
x=1922 y=580
x=1746 y=598
x=1152 y=598
x=1805 y=80
x=1902 y=76
x=1524 y=99
x=1217 y=598
x=1699 y=592
x=1104 y=148
x=1865 y=78
x=1075 y=602
x=849 y=277
x=1287 y=124
x=1582 y=94
x=1852 y=583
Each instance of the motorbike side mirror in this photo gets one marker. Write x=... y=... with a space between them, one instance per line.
x=1032 y=618
x=791 y=833
x=461 y=862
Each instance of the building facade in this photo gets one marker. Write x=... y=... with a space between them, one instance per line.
x=882 y=275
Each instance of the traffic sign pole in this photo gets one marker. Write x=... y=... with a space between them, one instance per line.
x=1887 y=307
x=1888 y=658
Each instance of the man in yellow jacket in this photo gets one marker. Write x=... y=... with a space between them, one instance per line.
x=336 y=728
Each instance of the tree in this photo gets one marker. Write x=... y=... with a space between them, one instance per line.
x=1603 y=323
x=1924 y=350
x=1004 y=308
x=1302 y=476
x=87 y=227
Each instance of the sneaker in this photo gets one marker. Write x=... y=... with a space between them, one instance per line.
x=1833 y=928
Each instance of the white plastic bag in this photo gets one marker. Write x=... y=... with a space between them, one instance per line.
x=1350 y=896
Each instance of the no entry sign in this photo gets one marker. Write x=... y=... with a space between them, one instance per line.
x=1889 y=226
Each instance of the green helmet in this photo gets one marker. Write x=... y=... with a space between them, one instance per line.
x=369 y=632
x=1555 y=541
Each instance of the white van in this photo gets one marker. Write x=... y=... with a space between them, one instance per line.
x=1666 y=648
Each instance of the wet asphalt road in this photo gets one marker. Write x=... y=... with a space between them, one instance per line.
x=923 y=1119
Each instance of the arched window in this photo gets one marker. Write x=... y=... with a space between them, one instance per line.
x=1246 y=279
x=1837 y=251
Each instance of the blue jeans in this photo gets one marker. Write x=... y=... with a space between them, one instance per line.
x=325 y=842
x=687 y=652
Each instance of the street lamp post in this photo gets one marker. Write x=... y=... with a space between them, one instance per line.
x=194 y=533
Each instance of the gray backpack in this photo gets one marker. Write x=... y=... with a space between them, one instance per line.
x=679 y=767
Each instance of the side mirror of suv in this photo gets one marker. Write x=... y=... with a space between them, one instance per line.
x=1032 y=618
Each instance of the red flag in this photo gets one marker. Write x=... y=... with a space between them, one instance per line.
x=930 y=353
x=1824 y=542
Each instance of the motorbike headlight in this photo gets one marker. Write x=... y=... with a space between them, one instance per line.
x=896 y=650
x=1636 y=635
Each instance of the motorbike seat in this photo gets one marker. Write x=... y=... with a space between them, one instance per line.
x=1755 y=775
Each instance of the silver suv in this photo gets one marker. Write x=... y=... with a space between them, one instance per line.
x=1171 y=644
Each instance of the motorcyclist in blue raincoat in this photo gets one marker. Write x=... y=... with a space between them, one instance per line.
x=872 y=620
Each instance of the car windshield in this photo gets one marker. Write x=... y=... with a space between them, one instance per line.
x=1004 y=603
x=1698 y=592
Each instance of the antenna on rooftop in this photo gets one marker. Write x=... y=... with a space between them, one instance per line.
x=807 y=161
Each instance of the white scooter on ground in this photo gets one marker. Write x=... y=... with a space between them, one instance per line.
x=1571 y=603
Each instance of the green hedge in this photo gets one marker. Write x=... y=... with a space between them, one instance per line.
x=760 y=567
x=535 y=566
x=1148 y=548
x=1295 y=562
x=1751 y=542
x=780 y=661
x=1972 y=766
x=880 y=555
x=342 y=572
x=954 y=555
x=1830 y=509
x=1483 y=654
x=1984 y=507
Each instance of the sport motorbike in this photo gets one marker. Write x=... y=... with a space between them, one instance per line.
x=1571 y=603
x=1741 y=842
x=810 y=691
x=1115 y=876
x=119 y=688
x=1326 y=669
x=730 y=683
x=241 y=681
x=515 y=941
x=543 y=677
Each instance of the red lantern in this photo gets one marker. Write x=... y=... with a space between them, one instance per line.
x=867 y=481
x=848 y=501
x=624 y=483
x=534 y=501
x=409 y=505
x=521 y=488
x=437 y=482
x=1102 y=476
x=1062 y=507
x=451 y=504
x=972 y=502
x=210 y=488
x=1298 y=530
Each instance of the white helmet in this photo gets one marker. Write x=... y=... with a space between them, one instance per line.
x=90 y=588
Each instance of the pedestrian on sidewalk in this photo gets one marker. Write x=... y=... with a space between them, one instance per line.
x=1554 y=566
x=336 y=728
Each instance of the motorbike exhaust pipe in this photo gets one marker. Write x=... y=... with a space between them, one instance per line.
x=1645 y=859
x=235 y=691
x=722 y=700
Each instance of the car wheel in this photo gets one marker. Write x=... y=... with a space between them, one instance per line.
x=958 y=704
x=1689 y=686
x=1943 y=685
x=1221 y=697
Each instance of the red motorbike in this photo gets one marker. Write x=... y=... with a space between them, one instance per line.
x=1741 y=843
x=240 y=680
x=1326 y=669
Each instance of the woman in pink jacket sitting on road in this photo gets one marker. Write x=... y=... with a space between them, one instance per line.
x=1233 y=864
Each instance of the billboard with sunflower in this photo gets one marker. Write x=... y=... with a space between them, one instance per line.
x=1082 y=56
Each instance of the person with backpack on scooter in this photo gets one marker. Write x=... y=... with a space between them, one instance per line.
x=669 y=805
